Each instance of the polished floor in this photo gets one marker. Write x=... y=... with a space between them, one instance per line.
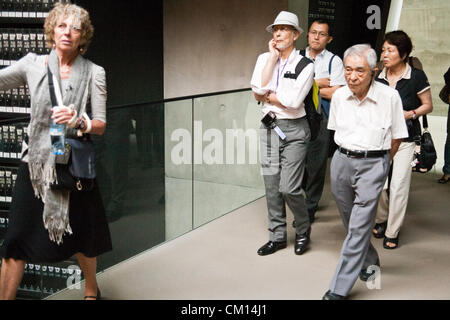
x=219 y=261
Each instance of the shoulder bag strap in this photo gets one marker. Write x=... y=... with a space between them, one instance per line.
x=55 y=91
x=425 y=122
x=51 y=87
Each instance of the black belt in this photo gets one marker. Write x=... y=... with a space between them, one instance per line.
x=363 y=154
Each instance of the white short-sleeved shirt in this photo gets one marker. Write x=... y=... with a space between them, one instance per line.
x=290 y=92
x=369 y=124
x=322 y=65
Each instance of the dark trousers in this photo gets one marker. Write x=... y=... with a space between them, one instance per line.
x=446 y=167
x=316 y=167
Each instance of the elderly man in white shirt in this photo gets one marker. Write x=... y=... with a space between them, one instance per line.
x=283 y=150
x=369 y=123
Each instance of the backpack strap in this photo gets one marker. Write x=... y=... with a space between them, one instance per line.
x=304 y=61
x=329 y=66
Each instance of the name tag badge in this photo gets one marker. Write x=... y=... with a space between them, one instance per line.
x=280 y=133
x=289 y=75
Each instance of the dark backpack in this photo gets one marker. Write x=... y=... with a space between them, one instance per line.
x=312 y=101
x=325 y=102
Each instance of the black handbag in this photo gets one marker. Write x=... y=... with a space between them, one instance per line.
x=75 y=169
x=426 y=158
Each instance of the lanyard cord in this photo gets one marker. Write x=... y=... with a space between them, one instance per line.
x=278 y=72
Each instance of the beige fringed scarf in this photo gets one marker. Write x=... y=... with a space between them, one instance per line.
x=41 y=161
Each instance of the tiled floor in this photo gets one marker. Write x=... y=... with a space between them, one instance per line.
x=219 y=260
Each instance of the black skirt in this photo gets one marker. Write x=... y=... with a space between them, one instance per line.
x=27 y=239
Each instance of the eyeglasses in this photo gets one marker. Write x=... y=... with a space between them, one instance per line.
x=315 y=33
x=281 y=28
x=62 y=27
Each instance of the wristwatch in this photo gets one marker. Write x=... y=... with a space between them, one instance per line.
x=414 y=115
x=81 y=125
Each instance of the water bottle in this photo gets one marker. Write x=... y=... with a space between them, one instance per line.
x=57 y=132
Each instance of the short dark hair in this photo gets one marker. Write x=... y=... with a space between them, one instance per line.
x=323 y=21
x=402 y=41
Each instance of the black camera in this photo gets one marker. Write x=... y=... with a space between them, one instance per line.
x=269 y=120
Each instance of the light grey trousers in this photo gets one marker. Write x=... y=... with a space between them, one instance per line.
x=356 y=185
x=283 y=165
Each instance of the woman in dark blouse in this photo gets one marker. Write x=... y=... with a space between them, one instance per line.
x=414 y=89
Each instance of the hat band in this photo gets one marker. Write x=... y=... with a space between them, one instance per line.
x=285 y=22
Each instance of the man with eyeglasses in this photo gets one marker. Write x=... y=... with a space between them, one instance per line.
x=285 y=137
x=369 y=125
x=329 y=75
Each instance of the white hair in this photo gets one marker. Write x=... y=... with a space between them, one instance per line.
x=363 y=50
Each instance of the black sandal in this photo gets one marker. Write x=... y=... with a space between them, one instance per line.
x=445 y=178
x=380 y=229
x=97 y=297
x=391 y=240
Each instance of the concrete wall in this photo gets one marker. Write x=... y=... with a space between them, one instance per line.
x=212 y=45
x=300 y=8
x=426 y=22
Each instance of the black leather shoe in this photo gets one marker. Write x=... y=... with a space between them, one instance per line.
x=332 y=296
x=271 y=247
x=302 y=242
x=364 y=275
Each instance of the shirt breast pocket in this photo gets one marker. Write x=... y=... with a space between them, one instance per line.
x=373 y=137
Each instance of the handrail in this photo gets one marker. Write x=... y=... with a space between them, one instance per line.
x=196 y=96
x=148 y=103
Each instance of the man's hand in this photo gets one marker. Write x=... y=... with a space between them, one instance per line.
x=274 y=52
x=323 y=82
x=395 y=144
x=260 y=98
x=270 y=64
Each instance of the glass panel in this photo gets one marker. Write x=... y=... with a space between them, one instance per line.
x=178 y=168
x=130 y=172
x=226 y=154
x=145 y=171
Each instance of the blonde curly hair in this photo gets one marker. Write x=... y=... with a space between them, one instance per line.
x=80 y=16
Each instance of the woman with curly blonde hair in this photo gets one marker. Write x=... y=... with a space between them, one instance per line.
x=49 y=225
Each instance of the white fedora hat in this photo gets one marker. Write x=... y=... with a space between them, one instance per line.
x=287 y=18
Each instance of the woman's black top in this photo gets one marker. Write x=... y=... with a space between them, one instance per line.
x=408 y=88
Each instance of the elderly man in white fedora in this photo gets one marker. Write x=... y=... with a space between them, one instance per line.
x=285 y=132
